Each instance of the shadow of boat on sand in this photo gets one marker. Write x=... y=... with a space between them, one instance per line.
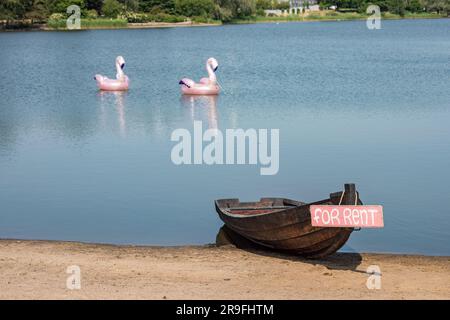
x=337 y=261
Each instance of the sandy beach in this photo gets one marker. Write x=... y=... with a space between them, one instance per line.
x=37 y=270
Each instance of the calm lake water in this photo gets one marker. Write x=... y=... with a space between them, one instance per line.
x=352 y=105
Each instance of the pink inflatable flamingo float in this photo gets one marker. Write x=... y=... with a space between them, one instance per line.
x=118 y=84
x=205 y=86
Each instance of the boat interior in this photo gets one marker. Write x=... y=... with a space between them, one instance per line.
x=264 y=206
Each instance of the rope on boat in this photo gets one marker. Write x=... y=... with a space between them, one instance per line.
x=356 y=202
x=342 y=197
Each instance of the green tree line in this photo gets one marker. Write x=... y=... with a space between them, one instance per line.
x=224 y=10
x=393 y=6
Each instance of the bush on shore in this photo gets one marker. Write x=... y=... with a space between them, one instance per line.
x=89 y=23
x=111 y=8
x=134 y=17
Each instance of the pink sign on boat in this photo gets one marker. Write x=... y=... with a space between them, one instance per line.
x=347 y=216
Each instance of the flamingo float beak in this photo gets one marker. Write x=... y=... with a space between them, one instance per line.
x=215 y=69
x=122 y=66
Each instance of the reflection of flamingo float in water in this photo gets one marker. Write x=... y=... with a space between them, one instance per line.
x=198 y=105
x=118 y=100
x=118 y=84
x=206 y=86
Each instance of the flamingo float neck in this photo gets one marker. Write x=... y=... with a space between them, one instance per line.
x=211 y=74
x=119 y=72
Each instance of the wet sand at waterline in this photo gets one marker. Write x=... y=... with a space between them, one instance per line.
x=37 y=270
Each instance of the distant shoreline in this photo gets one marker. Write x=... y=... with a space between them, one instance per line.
x=38 y=270
x=155 y=25
x=325 y=18
x=147 y=25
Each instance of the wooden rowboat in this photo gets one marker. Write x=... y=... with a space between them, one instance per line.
x=284 y=224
